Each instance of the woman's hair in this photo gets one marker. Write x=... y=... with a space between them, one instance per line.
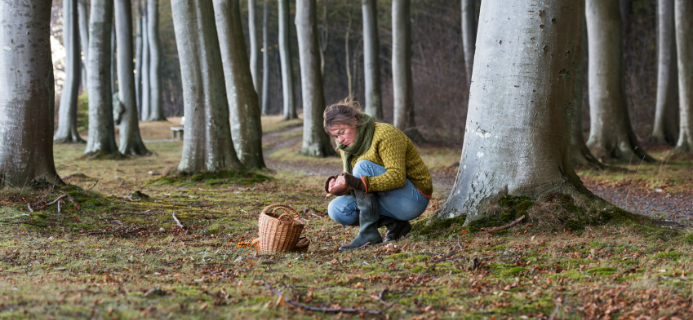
x=344 y=112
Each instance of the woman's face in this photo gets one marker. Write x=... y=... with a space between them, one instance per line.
x=344 y=134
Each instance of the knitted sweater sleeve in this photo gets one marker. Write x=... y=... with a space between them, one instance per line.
x=393 y=153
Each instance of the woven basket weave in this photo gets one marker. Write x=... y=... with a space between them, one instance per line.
x=279 y=233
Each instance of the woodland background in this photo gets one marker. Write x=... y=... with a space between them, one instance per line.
x=440 y=89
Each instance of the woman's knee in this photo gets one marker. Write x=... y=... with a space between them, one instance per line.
x=339 y=212
x=367 y=168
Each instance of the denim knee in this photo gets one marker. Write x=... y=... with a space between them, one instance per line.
x=367 y=168
x=337 y=210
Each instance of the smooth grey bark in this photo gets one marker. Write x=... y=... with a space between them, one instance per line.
x=350 y=81
x=316 y=142
x=146 y=83
x=207 y=144
x=67 y=114
x=469 y=24
x=130 y=140
x=26 y=94
x=156 y=98
x=371 y=59
x=684 y=50
x=265 y=59
x=254 y=45
x=114 y=63
x=402 y=85
x=517 y=138
x=101 y=138
x=138 y=59
x=286 y=62
x=246 y=127
x=579 y=153
x=666 y=125
x=611 y=133
x=83 y=39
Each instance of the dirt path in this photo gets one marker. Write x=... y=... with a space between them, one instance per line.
x=672 y=207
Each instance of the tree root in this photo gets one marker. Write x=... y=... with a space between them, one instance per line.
x=507 y=226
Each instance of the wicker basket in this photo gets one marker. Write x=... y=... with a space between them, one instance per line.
x=279 y=233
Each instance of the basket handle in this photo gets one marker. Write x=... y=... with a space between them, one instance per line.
x=280 y=206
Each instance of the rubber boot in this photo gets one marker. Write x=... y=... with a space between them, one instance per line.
x=368 y=221
x=395 y=228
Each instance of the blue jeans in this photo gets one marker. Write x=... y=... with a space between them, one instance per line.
x=405 y=203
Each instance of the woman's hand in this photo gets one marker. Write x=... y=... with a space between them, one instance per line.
x=352 y=182
x=335 y=185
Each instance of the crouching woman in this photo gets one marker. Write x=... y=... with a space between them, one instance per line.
x=388 y=182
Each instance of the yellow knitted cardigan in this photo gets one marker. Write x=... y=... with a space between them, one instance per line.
x=393 y=150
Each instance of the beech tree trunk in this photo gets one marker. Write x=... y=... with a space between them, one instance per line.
x=246 y=128
x=286 y=64
x=207 y=144
x=146 y=83
x=265 y=59
x=316 y=142
x=611 y=134
x=254 y=45
x=579 y=153
x=67 y=114
x=83 y=40
x=684 y=51
x=138 y=59
x=517 y=139
x=101 y=137
x=666 y=126
x=130 y=140
x=26 y=94
x=156 y=100
x=469 y=24
x=114 y=47
x=371 y=59
x=402 y=85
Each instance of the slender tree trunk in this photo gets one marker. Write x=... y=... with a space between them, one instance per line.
x=130 y=140
x=67 y=116
x=146 y=80
x=371 y=59
x=254 y=45
x=101 y=137
x=265 y=58
x=611 y=135
x=246 y=128
x=316 y=143
x=323 y=43
x=402 y=85
x=666 y=126
x=26 y=94
x=207 y=144
x=156 y=98
x=517 y=138
x=469 y=23
x=83 y=40
x=579 y=153
x=114 y=72
x=684 y=51
x=138 y=59
x=286 y=64
x=350 y=81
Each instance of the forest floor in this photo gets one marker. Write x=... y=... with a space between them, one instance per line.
x=117 y=252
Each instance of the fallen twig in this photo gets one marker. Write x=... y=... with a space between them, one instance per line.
x=93 y=185
x=41 y=205
x=555 y=310
x=180 y=225
x=320 y=309
x=507 y=226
